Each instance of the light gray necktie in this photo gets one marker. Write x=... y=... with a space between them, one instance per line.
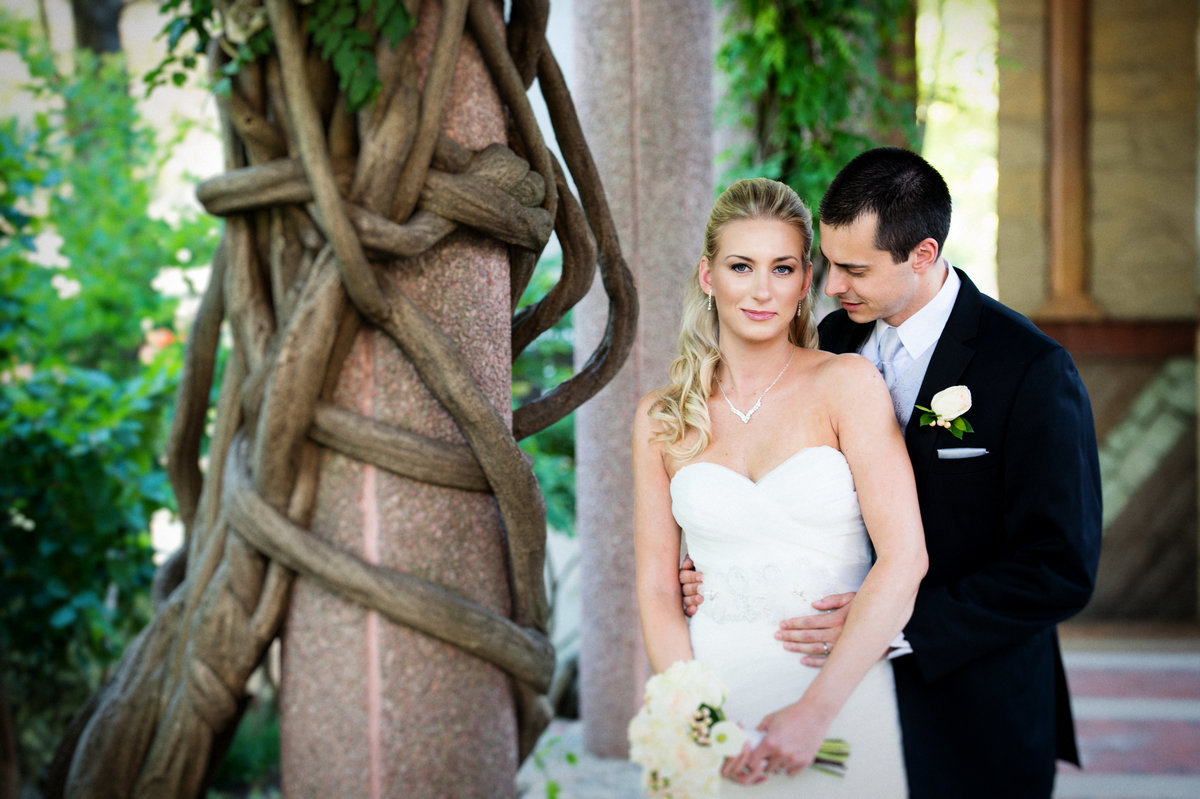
x=889 y=347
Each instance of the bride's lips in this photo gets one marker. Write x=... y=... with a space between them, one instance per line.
x=758 y=316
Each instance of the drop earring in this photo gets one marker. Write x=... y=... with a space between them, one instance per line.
x=709 y=308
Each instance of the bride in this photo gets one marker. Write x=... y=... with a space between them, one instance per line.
x=775 y=461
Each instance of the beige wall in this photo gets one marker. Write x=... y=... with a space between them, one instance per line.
x=1142 y=157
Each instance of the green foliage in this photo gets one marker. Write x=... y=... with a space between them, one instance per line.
x=804 y=77
x=337 y=28
x=95 y=162
x=351 y=50
x=84 y=401
x=544 y=757
x=78 y=482
x=543 y=365
x=23 y=170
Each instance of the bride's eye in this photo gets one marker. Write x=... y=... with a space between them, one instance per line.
x=740 y=267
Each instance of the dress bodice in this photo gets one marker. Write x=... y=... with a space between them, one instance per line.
x=769 y=548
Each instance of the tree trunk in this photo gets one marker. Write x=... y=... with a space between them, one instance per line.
x=10 y=774
x=98 y=25
x=899 y=66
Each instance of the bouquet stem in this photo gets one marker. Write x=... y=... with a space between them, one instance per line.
x=832 y=756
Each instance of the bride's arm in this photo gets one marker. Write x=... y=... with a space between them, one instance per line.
x=656 y=550
x=868 y=435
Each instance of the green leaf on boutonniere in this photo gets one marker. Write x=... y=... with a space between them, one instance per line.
x=956 y=426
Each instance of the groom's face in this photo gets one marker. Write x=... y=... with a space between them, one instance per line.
x=863 y=278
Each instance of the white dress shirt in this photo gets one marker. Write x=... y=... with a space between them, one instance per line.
x=919 y=332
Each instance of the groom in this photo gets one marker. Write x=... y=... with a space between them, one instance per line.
x=1011 y=510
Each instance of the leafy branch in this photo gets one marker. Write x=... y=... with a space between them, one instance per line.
x=343 y=31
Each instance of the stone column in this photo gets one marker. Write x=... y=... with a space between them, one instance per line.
x=645 y=99
x=369 y=708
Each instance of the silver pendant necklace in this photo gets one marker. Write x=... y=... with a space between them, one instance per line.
x=745 y=417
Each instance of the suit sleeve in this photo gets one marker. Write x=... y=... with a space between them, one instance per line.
x=1050 y=528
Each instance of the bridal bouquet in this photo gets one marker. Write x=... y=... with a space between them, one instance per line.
x=680 y=736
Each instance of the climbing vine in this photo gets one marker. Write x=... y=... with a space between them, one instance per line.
x=312 y=242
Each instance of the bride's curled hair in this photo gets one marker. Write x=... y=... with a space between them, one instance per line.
x=682 y=405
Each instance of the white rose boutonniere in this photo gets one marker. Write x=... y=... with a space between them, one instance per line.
x=946 y=410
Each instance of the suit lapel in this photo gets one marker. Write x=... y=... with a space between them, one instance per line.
x=951 y=355
x=839 y=334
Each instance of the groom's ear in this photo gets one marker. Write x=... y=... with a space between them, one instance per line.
x=924 y=255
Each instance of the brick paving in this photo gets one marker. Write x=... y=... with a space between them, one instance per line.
x=1136 y=694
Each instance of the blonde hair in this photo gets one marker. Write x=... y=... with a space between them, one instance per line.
x=682 y=404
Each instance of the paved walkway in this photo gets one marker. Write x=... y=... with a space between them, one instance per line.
x=1136 y=694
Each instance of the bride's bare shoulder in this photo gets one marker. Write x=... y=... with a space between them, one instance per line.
x=651 y=400
x=644 y=421
x=849 y=373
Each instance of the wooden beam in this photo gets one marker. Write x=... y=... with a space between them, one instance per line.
x=1131 y=338
x=1067 y=33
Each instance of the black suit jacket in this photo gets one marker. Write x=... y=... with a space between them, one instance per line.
x=1013 y=540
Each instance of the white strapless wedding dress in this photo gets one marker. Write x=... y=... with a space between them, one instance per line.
x=768 y=549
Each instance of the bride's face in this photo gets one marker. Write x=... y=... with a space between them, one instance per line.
x=757 y=278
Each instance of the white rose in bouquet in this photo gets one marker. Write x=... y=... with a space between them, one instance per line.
x=680 y=735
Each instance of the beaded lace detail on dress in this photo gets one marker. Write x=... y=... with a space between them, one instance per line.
x=769 y=592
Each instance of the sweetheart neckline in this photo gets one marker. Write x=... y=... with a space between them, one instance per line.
x=768 y=473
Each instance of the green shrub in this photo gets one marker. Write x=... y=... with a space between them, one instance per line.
x=85 y=399
x=78 y=482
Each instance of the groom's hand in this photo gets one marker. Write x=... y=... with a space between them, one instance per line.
x=689 y=581
x=815 y=636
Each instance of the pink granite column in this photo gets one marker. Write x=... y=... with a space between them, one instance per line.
x=368 y=708
x=644 y=96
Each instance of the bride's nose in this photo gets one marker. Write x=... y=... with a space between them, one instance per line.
x=762 y=286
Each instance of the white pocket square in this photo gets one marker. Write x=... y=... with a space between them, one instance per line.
x=953 y=453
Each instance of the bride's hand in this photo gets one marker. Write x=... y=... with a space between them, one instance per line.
x=789 y=745
x=815 y=636
x=739 y=768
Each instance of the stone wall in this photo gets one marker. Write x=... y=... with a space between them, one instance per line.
x=1142 y=157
